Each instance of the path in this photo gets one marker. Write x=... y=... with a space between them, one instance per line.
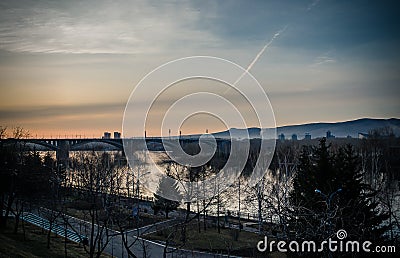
x=140 y=247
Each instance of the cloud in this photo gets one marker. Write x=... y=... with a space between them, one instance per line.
x=326 y=58
x=126 y=27
x=365 y=39
x=312 y=5
x=54 y=112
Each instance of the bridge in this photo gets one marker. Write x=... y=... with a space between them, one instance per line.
x=63 y=146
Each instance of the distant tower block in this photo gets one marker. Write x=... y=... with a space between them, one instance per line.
x=117 y=135
x=294 y=137
x=281 y=137
x=107 y=135
x=329 y=135
x=307 y=136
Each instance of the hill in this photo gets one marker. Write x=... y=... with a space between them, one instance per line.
x=338 y=129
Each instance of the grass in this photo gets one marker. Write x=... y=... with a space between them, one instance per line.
x=35 y=243
x=228 y=241
x=80 y=209
x=128 y=223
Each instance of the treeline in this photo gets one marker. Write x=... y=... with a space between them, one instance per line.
x=92 y=184
x=309 y=191
x=24 y=175
x=312 y=191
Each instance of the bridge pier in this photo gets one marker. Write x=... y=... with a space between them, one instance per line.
x=62 y=153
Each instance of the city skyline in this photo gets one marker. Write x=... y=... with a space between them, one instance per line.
x=69 y=67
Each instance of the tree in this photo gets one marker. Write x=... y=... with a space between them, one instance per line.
x=18 y=167
x=329 y=194
x=380 y=163
x=268 y=195
x=94 y=175
x=3 y=132
x=358 y=205
x=161 y=203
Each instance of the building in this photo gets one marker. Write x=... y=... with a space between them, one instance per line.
x=107 y=135
x=307 y=136
x=117 y=135
x=281 y=137
x=329 y=135
x=294 y=137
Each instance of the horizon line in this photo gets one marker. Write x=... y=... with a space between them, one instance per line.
x=87 y=135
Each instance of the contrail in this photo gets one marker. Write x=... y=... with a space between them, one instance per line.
x=313 y=4
x=259 y=54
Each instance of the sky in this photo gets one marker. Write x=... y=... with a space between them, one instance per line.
x=67 y=68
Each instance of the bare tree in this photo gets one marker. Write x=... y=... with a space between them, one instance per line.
x=3 y=132
x=95 y=178
x=20 y=133
x=12 y=157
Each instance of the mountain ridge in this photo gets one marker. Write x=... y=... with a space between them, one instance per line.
x=319 y=129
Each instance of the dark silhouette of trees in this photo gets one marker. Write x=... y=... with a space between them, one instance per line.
x=379 y=153
x=94 y=175
x=24 y=174
x=161 y=203
x=329 y=194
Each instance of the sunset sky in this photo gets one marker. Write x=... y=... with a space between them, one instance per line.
x=68 y=67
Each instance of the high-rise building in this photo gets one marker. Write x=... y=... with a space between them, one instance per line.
x=107 y=135
x=281 y=137
x=307 y=136
x=329 y=135
x=294 y=137
x=117 y=135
